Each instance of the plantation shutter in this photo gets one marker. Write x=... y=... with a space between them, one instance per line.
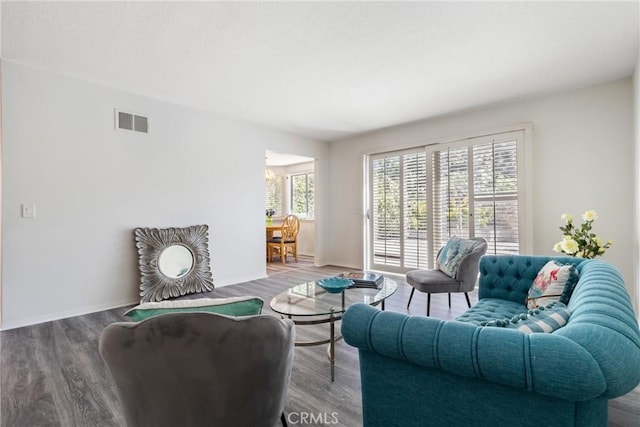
x=399 y=211
x=276 y=196
x=496 y=196
x=450 y=170
x=386 y=211
x=415 y=248
x=420 y=198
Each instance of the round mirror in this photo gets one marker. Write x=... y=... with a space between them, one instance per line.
x=175 y=261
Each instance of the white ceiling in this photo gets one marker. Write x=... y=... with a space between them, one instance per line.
x=328 y=70
x=284 y=159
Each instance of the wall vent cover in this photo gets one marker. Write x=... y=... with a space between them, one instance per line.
x=131 y=121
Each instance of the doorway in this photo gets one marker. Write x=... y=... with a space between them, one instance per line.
x=290 y=189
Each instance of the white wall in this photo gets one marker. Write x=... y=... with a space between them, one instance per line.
x=636 y=249
x=93 y=185
x=583 y=158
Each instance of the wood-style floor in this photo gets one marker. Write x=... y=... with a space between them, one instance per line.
x=52 y=373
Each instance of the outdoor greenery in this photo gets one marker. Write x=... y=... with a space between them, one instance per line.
x=302 y=195
x=301 y=191
x=402 y=178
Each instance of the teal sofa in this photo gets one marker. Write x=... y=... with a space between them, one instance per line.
x=421 y=371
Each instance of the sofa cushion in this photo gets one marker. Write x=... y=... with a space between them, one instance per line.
x=555 y=282
x=490 y=309
x=452 y=253
x=432 y=281
x=542 y=319
x=236 y=306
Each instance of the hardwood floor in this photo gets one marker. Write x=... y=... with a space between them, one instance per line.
x=52 y=373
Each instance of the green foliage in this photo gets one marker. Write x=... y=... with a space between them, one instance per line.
x=302 y=195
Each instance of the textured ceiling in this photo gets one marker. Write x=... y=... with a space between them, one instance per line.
x=328 y=70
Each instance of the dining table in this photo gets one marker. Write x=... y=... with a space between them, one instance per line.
x=271 y=228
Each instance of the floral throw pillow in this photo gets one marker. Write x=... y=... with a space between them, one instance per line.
x=554 y=282
x=451 y=255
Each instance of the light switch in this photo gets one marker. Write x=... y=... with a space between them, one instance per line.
x=28 y=210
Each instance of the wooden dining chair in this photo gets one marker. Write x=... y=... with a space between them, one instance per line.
x=287 y=242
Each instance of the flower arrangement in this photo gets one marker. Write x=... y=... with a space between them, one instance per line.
x=580 y=241
x=270 y=214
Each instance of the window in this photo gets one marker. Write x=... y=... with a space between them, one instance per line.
x=476 y=194
x=302 y=199
x=419 y=198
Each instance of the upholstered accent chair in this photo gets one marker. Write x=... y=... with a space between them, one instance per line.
x=201 y=369
x=439 y=280
x=287 y=242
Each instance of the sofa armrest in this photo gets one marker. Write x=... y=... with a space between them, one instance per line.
x=536 y=363
x=604 y=323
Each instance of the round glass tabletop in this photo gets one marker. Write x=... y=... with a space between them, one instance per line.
x=309 y=299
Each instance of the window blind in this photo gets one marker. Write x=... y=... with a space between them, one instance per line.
x=419 y=198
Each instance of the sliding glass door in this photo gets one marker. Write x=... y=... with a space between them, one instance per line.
x=419 y=198
x=398 y=210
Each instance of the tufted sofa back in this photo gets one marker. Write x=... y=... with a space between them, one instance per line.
x=509 y=277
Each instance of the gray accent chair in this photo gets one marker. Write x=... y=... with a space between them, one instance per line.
x=435 y=281
x=201 y=369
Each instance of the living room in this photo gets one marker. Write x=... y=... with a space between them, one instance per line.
x=91 y=184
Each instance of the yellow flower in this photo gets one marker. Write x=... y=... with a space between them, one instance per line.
x=569 y=246
x=597 y=241
x=566 y=217
x=600 y=251
x=590 y=216
x=557 y=247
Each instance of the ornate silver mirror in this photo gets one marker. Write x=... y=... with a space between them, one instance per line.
x=173 y=262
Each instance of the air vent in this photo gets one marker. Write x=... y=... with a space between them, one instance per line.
x=132 y=122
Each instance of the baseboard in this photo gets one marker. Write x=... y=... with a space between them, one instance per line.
x=101 y=307
x=66 y=314
x=243 y=279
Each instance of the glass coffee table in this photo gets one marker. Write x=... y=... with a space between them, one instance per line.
x=309 y=304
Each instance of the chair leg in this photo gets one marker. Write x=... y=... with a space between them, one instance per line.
x=449 y=299
x=410 y=296
x=428 y=304
x=283 y=419
x=467 y=297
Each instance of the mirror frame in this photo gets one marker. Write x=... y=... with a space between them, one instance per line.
x=151 y=242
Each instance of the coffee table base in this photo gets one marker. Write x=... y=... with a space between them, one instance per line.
x=308 y=304
x=331 y=349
